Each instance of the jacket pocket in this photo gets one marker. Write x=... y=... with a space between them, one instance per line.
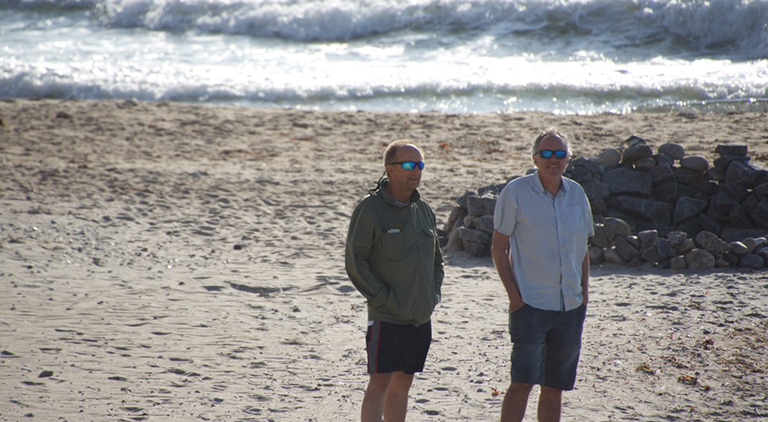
x=393 y=243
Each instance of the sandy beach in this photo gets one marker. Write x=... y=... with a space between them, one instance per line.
x=176 y=262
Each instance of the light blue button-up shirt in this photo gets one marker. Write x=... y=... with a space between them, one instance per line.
x=548 y=240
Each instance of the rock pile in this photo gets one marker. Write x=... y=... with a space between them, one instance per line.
x=666 y=208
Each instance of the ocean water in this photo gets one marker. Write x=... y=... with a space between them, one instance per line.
x=457 y=56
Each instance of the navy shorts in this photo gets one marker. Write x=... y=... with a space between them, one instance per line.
x=397 y=347
x=546 y=346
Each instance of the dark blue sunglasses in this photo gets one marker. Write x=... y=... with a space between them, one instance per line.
x=547 y=153
x=410 y=165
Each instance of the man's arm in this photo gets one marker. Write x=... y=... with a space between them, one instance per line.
x=500 y=254
x=358 y=248
x=585 y=277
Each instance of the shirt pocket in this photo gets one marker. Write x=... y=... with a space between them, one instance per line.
x=393 y=243
x=575 y=218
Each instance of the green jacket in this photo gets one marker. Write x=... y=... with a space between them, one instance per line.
x=393 y=258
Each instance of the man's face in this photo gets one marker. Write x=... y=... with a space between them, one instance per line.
x=407 y=179
x=551 y=167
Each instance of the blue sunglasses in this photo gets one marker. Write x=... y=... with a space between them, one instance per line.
x=410 y=165
x=547 y=153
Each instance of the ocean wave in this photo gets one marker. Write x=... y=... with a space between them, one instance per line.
x=730 y=27
x=429 y=94
x=724 y=27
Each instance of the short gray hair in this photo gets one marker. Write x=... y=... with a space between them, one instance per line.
x=553 y=132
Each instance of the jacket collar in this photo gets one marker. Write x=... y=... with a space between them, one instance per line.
x=415 y=196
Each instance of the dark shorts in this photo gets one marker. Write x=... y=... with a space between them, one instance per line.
x=396 y=347
x=546 y=346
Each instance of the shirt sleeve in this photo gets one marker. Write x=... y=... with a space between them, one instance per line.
x=360 y=238
x=505 y=211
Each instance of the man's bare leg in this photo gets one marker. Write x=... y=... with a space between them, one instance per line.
x=396 y=405
x=515 y=402
x=550 y=404
x=375 y=396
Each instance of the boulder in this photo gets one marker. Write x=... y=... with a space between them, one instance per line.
x=481 y=205
x=711 y=243
x=610 y=158
x=695 y=163
x=662 y=174
x=626 y=181
x=636 y=152
x=686 y=208
x=676 y=151
x=649 y=209
x=751 y=261
x=700 y=259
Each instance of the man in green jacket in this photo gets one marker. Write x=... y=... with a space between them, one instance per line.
x=394 y=260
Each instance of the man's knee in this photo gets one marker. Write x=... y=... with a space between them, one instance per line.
x=520 y=388
x=379 y=382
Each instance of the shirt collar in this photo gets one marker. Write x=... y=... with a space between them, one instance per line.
x=538 y=187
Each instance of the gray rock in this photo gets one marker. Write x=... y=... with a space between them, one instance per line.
x=662 y=174
x=647 y=236
x=761 y=214
x=732 y=150
x=616 y=227
x=648 y=209
x=738 y=248
x=678 y=263
x=708 y=224
x=457 y=214
x=469 y=235
x=598 y=206
x=731 y=234
x=740 y=217
x=650 y=253
x=700 y=259
x=611 y=256
x=634 y=140
x=475 y=248
x=645 y=164
x=484 y=224
x=671 y=191
x=634 y=241
x=596 y=255
x=763 y=253
x=721 y=263
x=712 y=243
x=664 y=159
x=610 y=158
x=462 y=200
x=731 y=258
x=686 y=208
x=675 y=151
x=687 y=177
x=635 y=153
x=676 y=238
x=744 y=174
x=695 y=163
x=686 y=246
x=595 y=189
x=751 y=261
x=481 y=205
x=626 y=251
x=754 y=244
x=626 y=181
x=600 y=238
x=720 y=206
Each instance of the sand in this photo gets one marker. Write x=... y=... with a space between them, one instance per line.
x=172 y=262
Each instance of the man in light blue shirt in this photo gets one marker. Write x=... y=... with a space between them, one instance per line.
x=542 y=223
